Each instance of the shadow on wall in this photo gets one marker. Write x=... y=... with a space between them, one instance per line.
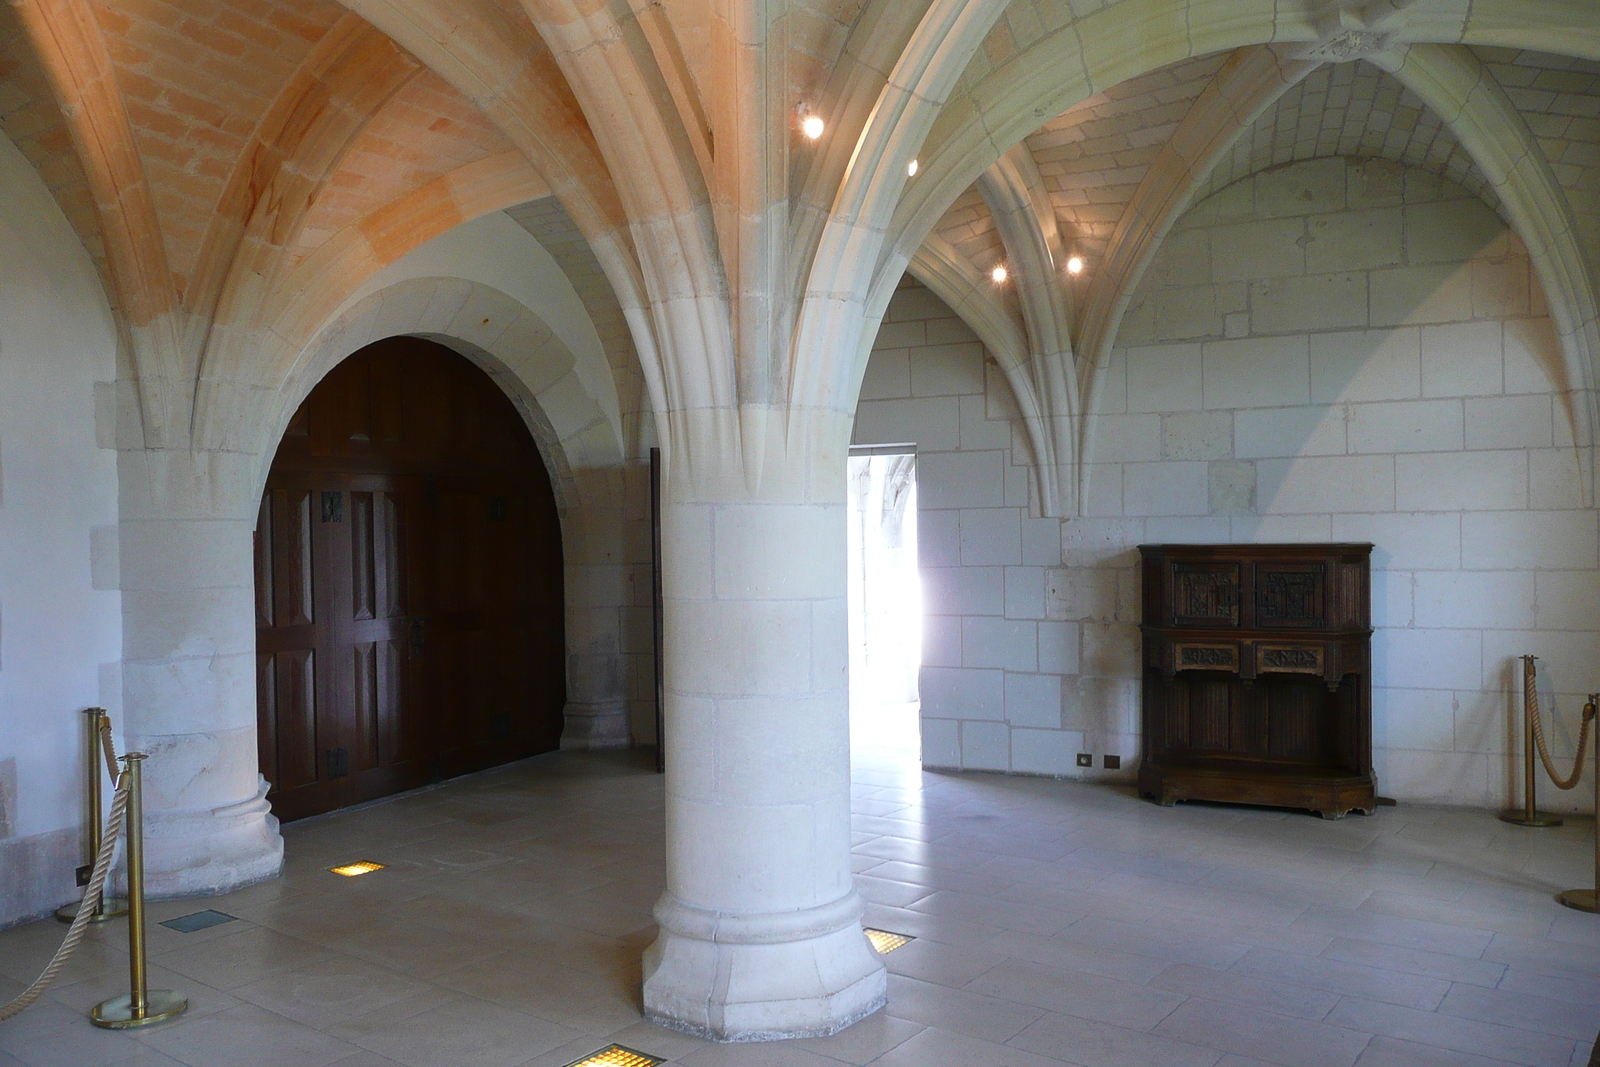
x=1361 y=350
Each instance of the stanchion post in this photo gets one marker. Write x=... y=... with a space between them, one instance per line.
x=1528 y=816
x=109 y=907
x=142 y=1006
x=1589 y=899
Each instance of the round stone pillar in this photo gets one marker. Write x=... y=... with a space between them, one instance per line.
x=188 y=683
x=760 y=931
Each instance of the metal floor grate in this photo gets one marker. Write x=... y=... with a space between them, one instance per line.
x=884 y=941
x=200 y=920
x=617 y=1056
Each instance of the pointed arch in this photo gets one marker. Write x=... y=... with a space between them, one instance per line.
x=1453 y=82
x=953 y=279
x=1026 y=220
x=67 y=41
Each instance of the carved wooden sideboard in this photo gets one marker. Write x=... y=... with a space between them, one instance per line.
x=1257 y=678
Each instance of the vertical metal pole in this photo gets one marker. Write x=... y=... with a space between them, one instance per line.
x=96 y=807
x=138 y=993
x=142 y=1006
x=657 y=609
x=1529 y=815
x=1527 y=740
x=108 y=907
x=1589 y=899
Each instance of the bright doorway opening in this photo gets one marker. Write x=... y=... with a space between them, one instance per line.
x=885 y=604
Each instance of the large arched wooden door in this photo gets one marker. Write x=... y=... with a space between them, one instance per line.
x=408 y=584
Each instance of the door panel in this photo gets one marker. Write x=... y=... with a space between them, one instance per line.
x=409 y=594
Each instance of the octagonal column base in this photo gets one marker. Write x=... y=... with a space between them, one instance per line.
x=765 y=977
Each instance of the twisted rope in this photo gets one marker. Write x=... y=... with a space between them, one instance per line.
x=108 y=747
x=91 y=898
x=1530 y=696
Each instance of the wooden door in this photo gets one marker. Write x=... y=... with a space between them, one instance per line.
x=408 y=584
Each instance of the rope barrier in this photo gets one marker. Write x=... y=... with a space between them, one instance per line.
x=91 y=897
x=1531 y=696
x=109 y=748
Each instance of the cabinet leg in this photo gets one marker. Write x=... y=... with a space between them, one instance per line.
x=1332 y=815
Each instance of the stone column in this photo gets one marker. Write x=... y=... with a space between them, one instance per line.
x=189 y=690
x=760 y=932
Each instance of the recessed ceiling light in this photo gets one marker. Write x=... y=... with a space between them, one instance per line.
x=1075 y=265
x=617 y=1056
x=999 y=274
x=884 y=941
x=350 y=870
x=911 y=169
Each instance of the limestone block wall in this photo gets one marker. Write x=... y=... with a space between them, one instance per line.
x=60 y=615
x=1328 y=351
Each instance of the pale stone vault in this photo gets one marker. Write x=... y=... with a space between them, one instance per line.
x=609 y=206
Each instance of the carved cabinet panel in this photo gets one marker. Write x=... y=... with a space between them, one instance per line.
x=1257 y=683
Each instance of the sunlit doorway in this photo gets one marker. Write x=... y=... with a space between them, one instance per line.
x=885 y=604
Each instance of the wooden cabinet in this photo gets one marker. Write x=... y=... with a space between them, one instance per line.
x=1257 y=675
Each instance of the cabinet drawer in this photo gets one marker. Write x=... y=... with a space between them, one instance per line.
x=1290 y=659
x=1205 y=656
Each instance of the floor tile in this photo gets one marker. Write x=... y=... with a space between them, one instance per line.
x=1263 y=1035
x=1095 y=1044
x=246 y=1036
x=1449 y=1032
x=466 y=1033
x=1056 y=922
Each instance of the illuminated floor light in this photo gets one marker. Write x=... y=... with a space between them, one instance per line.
x=350 y=870
x=617 y=1056
x=885 y=942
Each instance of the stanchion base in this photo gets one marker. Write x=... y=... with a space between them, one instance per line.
x=1540 y=818
x=1582 y=899
x=115 y=908
x=117 y=1013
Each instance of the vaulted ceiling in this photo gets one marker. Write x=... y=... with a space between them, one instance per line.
x=235 y=166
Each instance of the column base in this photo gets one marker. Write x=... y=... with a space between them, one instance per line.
x=766 y=977
x=201 y=853
x=596 y=726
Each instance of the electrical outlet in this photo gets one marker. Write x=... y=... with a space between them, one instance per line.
x=1086 y=759
x=1113 y=763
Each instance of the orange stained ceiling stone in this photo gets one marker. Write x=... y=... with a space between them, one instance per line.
x=30 y=117
x=426 y=130
x=197 y=78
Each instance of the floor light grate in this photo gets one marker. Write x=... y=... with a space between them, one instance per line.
x=884 y=941
x=197 y=921
x=617 y=1056
x=350 y=870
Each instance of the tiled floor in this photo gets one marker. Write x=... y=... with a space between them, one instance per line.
x=1056 y=923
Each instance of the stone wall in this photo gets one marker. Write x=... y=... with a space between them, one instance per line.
x=1328 y=351
x=60 y=617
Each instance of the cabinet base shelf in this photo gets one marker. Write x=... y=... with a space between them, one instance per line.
x=1331 y=792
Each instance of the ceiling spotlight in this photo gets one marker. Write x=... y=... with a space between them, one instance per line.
x=911 y=169
x=811 y=125
x=1075 y=265
x=999 y=274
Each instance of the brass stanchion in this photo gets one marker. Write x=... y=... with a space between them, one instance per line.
x=142 y=1006
x=1529 y=815
x=1589 y=899
x=99 y=730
